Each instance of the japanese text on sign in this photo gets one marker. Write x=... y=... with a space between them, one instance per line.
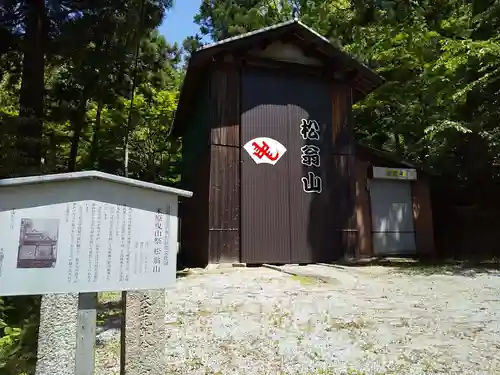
x=395 y=173
x=86 y=245
x=310 y=156
x=166 y=239
x=87 y=232
x=158 y=241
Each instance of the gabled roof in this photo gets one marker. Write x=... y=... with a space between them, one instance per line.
x=365 y=80
x=393 y=158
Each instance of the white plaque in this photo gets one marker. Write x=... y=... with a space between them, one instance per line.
x=85 y=236
x=394 y=173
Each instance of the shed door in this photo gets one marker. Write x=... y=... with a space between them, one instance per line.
x=392 y=217
x=280 y=221
x=265 y=191
x=311 y=212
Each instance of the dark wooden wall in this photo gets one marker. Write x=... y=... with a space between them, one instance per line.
x=194 y=215
x=224 y=190
x=422 y=216
x=363 y=210
x=224 y=241
x=265 y=189
x=345 y=228
x=195 y=171
x=211 y=222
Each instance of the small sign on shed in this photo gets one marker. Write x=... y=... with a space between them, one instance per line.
x=395 y=173
x=86 y=232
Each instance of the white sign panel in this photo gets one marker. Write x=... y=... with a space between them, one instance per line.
x=265 y=150
x=54 y=239
x=394 y=173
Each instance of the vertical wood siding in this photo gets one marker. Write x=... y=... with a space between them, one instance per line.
x=344 y=189
x=224 y=196
x=422 y=216
x=265 y=191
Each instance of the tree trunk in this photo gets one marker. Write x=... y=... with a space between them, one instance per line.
x=398 y=144
x=95 y=136
x=78 y=123
x=32 y=86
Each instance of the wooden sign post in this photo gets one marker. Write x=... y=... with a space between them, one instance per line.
x=85 y=334
x=68 y=236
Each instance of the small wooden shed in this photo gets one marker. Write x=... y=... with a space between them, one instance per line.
x=268 y=149
x=393 y=206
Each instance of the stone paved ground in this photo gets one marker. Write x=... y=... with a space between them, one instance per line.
x=363 y=320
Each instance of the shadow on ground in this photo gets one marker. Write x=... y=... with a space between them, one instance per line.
x=183 y=273
x=109 y=312
x=462 y=267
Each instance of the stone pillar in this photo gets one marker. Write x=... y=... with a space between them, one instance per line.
x=57 y=335
x=144 y=333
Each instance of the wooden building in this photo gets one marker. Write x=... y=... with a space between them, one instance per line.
x=393 y=206
x=268 y=150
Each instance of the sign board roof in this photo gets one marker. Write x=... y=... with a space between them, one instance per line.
x=92 y=175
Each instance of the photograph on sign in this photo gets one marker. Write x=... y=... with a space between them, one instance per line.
x=265 y=150
x=87 y=246
x=38 y=243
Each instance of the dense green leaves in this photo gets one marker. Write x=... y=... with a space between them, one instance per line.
x=440 y=59
x=77 y=89
x=66 y=73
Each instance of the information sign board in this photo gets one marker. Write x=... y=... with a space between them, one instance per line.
x=86 y=235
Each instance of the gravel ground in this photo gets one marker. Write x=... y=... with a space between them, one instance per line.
x=363 y=320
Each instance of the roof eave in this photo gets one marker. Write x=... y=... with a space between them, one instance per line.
x=90 y=175
x=390 y=157
x=371 y=80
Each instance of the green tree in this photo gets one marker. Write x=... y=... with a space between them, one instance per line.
x=88 y=69
x=440 y=59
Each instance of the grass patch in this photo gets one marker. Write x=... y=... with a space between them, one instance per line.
x=109 y=308
x=305 y=280
x=175 y=323
x=433 y=266
x=104 y=316
x=352 y=371
x=105 y=297
x=114 y=347
x=426 y=269
x=278 y=319
x=339 y=324
x=202 y=313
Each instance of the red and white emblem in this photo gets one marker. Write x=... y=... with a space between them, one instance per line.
x=265 y=150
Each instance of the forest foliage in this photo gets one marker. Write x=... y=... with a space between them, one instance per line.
x=441 y=59
x=91 y=84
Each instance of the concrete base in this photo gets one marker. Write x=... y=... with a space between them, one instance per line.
x=239 y=265
x=218 y=266
x=145 y=333
x=57 y=335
